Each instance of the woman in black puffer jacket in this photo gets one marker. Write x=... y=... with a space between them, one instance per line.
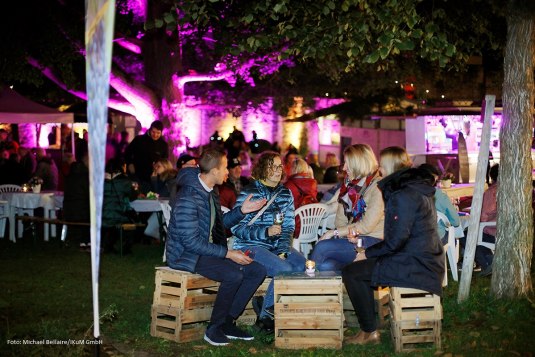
x=411 y=254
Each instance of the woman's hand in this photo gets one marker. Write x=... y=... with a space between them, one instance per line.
x=327 y=235
x=238 y=256
x=249 y=206
x=360 y=256
x=274 y=230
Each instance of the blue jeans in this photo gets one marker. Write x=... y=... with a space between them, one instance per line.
x=238 y=284
x=334 y=254
x=274 y=266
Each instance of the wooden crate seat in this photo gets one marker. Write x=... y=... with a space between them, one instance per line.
x=415 y=319
x=183 y=303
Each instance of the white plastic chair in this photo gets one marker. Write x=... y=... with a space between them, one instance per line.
x=450 y=248
x=16 y=188
x=166 y=213
x=310 y=217
x=4 y=215
x=10 y=188
x=482 y=225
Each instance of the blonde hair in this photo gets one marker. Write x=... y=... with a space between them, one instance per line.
x=394 y=158
x=360 y=160
x=300 y=166
x=331 y=160
x=168 y=169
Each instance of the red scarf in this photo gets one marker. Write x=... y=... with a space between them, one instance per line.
x=352 y=197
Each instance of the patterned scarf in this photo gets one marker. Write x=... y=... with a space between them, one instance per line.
x=352 y=197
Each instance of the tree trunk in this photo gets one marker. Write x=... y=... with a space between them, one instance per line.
x=161 y=53
x=514 y=241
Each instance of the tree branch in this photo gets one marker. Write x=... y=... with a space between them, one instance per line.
x=122 y=106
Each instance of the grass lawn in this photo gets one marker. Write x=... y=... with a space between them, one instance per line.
x=45 y=294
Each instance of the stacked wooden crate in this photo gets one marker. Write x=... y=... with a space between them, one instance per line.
x=308 y=312
x=182 y=304
x=415 y=319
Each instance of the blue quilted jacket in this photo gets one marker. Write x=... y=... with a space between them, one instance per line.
x=256 y=234
x=189 y=227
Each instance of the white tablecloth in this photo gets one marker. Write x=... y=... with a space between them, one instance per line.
x=19 y=201
x=153 y=223
x=147 y=205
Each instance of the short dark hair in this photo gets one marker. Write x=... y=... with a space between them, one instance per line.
x=210 y=159
x=430 y=168
x=493 y=172
x=114 y=166
x=157 y=124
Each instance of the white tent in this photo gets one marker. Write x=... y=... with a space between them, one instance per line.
x=16 y=109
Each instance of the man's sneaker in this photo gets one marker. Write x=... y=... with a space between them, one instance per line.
x=270 y=311
x=265 y=324
x=215 y=336
x=257 y=302
x=235 y=333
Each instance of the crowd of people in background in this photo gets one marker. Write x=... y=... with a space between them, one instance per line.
x=387 y=206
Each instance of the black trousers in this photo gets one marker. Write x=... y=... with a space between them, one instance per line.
x=357 y=279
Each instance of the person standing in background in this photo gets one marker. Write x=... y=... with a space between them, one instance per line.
x=144 y=151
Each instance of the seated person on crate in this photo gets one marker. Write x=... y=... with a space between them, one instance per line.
x=442 y=204
x=119 y=190
x=360 y=211
x=410 y=256
x=197 y=243
x=268 y=234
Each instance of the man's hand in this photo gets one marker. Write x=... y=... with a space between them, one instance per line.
x=237 y=256
x=274 y=230
x=249 y=206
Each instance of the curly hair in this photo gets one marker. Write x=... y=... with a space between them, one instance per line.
x=262 y=167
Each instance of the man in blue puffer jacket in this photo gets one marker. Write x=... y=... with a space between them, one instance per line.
x=197 y=244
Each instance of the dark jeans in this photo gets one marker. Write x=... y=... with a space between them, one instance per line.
x=484 y=255
x=238 y=284
x=357 y=279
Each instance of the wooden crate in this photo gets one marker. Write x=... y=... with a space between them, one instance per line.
x=382 y=299
x=182 y=303
x=415 y=319
x=178 y=325
x=308 y=312
x=183 y=290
